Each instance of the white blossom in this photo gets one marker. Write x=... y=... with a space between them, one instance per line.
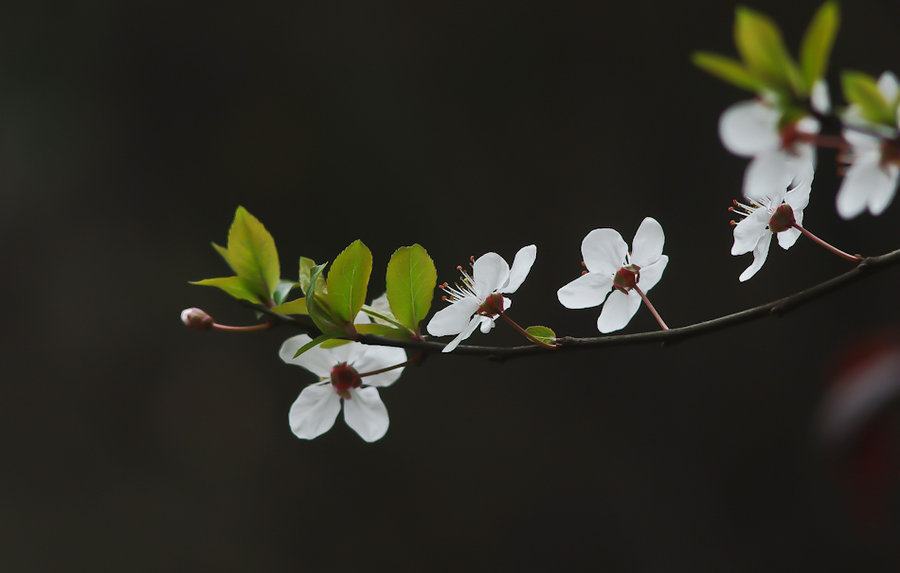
x=478 y=299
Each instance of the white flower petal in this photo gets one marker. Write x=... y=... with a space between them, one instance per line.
x=366 y=413
x=617 y=311
x=454 y=318
x=882 y=195
x=760 y=253
x=604 y=251
x=490 y=272
x=586 y=291
x=798 y=198
x=314 y=411
x=317 y=360
x=748 y=231
x=648 y=242
x=469 y=329
x=377 y=357
x=888 y=86
x=863 y=179
x=862 y=143
x=486 y=325
x=749 y=128
x=520 y=268
x=820 y=100
x=786 y=239
x=768 y=177
x=651 y=274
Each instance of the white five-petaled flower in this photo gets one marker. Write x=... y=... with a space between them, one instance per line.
x=772 y=213
x=871 y=181
x=478 y=299
x=610 y=267
x=781 y=154
x=339 y=370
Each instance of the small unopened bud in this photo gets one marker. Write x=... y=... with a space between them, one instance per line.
x=197 y=319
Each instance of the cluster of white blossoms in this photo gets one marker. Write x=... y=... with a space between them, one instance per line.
x=871 y=180
x=778 y=180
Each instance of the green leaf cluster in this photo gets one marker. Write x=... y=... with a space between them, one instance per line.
x=251 y=254
x=766 y=66
x=862 y=90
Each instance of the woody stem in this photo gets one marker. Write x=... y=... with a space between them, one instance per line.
x=414 y=360
x=651 y=308
x=251 y=328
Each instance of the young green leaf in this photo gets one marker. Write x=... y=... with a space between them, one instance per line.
x=282 y=291
x=818 y=41
x=297 y=306
x=235 y=286
x=335 y=342
x=348 y=280
x=759 y=42
x=312 y=344
x=862 y=89
x=410 y=281
x=727 y=69
x=306 y=266
x=542 y=333
x=252 y=254
x=320 y=311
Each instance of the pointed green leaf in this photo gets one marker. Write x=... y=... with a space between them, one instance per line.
x=223 y=252
x=306 y=266
x=384 y=330
x=542 y=333
x=283 y=289
x=252 y=254
x=759 y=42
x=235 y=286
x=312 y=344
x=727 y=69
x=382 y=317
x=410 y=281
x=818 y=41
x=348 y=280
x=320 y=311
x=862 y=89
x=297 y=306
x=335 y=342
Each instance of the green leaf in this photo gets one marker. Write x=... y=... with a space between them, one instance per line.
x=283 y=289
x=335 y=342
x=348 y=280
x=381 y=317
x=320 y=311
x=862 y=89
x=297 y=306
x=306 y=266
x=384 y=330
x=759 y=42
x=235 y=286
x=818 y=41
x=411 y=278
x=312 y=344
x=252 y=254
x=727 y=69
x=542 y=333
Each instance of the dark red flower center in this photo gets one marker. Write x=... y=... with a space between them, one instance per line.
x=343 y=378
x=626 y=278
x=492 y=306
x=782 y=219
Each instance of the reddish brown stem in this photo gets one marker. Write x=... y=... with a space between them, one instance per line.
x=829 y=246
x=525 y=333
x=651 y=308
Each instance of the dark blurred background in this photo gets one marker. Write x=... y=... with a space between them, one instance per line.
x=129 y=132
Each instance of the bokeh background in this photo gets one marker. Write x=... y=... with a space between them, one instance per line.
x=129 y=132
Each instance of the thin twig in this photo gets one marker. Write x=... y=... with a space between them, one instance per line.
x=866 y=267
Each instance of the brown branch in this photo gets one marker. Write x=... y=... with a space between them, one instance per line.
x=866 y=267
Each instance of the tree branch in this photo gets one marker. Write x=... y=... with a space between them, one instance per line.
x=866 y=267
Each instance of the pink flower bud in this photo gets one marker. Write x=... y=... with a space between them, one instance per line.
x=197 y=319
